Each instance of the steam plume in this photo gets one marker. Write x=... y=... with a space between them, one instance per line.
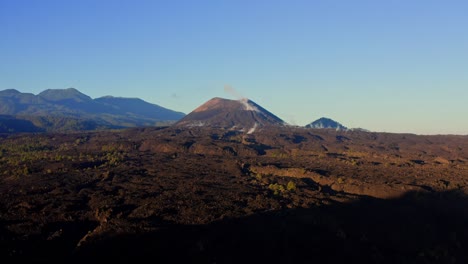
x=228 y=89
x=244 y=100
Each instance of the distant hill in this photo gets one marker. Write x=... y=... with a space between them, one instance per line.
x=241 y=114
x=326 y=123
x=138 y=107
x=64 y=95
x=360 y=129
x=10 y=124
x=69 y=109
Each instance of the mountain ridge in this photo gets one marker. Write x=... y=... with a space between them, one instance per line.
x=70 y=106
x=64 y=94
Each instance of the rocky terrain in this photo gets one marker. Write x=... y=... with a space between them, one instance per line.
x=214 y=195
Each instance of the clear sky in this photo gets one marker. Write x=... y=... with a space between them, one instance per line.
x=383 y=65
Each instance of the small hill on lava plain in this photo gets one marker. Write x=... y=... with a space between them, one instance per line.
x=243 y=115
x=326 y=123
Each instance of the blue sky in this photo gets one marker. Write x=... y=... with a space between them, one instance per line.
x=389 y=65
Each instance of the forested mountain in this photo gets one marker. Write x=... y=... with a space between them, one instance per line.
x=69 y=109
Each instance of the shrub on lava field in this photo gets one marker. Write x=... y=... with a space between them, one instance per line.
x=276 y=188
x=258 y=176
x=291 y=186
x=281 y=189
x=341 y=180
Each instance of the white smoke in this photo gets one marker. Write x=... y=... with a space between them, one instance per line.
x=248 y=106
x=244 y=100
x=228 y=89
x=253 y=128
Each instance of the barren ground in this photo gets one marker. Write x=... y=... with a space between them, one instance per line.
x=286 y=195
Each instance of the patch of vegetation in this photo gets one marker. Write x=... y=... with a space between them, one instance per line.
x=291 y=186
x=341 y=180
x=258 y=176
x=276 y=188
x=279 y=154
x=280 y=189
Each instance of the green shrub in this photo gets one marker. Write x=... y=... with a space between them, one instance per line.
x=258 y=176
x=276 y=188
x=291 y=186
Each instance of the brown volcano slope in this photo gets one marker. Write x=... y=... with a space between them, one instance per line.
x=241 y=114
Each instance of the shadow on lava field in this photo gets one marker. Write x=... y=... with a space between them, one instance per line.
x=418 y=227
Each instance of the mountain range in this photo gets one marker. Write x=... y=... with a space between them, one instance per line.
x=69 y=109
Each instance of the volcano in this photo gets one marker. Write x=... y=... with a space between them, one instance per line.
x=326 y=123
x=242 y=114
